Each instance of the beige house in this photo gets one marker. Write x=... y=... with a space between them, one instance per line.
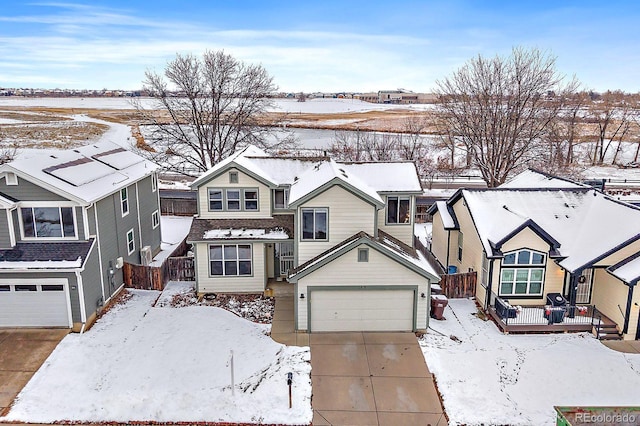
x=557 y=257
x=340 y=233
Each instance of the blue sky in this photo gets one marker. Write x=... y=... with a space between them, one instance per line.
x=321 y=45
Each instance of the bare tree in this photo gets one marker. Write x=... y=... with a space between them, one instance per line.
x=8 y=149
x=210 y=106
x=500 y=108
x=612 y=116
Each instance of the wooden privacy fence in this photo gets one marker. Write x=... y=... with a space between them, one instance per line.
x=176 y=267
x=459 y=285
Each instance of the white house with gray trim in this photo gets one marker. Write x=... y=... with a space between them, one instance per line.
x=340 y=233
x=68 y=221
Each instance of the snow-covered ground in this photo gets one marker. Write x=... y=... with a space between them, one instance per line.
x=164 y=364
x=491 y=378
x=174 y=230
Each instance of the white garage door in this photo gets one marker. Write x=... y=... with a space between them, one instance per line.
x=34 y=303
x=362 y=310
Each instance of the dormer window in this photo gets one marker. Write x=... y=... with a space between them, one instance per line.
x=281 y=198
x=48 y=222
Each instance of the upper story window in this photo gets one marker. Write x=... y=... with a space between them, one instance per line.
x=315 y=224
x=124 y=201
x=48 y=222
x=233 y=177
x=154 y=182
x=233 y=199
x=131 y=242
x=155 y=219
x=460 y=245
x=281 y=198
x=522 y=273
x=398 y=210
x=484 y=278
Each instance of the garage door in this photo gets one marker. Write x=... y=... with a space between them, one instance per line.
x=34 y=303
x=362 y=310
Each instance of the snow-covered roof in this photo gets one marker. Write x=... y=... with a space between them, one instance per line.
x=244 y=234
x=324 y=172
x=387 y=177
x=6 y=203
x=585 y=224
x=447 y=219
x=628 y=270
x=84 y=174
x=534 y=179
x=370 y=178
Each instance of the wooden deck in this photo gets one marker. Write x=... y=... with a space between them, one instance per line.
x=545 y=328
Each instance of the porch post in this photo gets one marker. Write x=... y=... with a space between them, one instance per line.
x=627 y=314
x=573 y=292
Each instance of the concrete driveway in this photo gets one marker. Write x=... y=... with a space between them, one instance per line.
x=372 y=379
x=22 y=352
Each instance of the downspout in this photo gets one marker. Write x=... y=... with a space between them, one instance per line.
x=448 y=248
x=83 y=308
x=627 y=314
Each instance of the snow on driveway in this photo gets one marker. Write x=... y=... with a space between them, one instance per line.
x=166 y=364
x=491 y=378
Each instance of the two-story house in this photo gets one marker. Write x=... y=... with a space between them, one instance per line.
x=340 y=233
x=540 y=241
x=71 y=218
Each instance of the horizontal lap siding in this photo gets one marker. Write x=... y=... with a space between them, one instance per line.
x=439 y=237
x=249 y=284
x=5 y=222
x=610 y=296
x=27 y=191
x=244 y=181
x=348 y=215
x=403 y=232
x=347 y=271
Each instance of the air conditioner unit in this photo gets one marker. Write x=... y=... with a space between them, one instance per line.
x=145 y=255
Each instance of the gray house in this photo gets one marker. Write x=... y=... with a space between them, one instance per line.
x=68 y=221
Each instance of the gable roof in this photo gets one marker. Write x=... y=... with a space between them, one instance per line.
x=628 y=270
x=581 y=225
x=397 y=176
x=85 y=174
x=326 y=174
x=533 y=178
x=384 y=243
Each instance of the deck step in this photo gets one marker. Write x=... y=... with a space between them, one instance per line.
x=607 y=332
x=605 y=336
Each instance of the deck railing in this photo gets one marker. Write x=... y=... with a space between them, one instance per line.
x=512 y=314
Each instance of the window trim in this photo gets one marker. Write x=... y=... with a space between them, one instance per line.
x=386 y=210
x=155 y=219
x=154 y=182
x=221 y=199
x=460 y=245
x=224 y=200
x=131 y=243
x=484 y=274
x=286 y=199
x=314 y=209
x=36 y=238
x=244 y=199
x=209 y=246
x=529 y=267
x=124 y=200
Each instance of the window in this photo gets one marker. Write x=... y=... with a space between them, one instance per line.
x=484 y=279
x=233 y=177
x=4 y=287
x=154 y=182
x=215 y=199
x=314 y=224
x=233 y=199
x=524 y=275
x=131 y=244
x=363 y=255
x=26 y=287
x=155 y=219
x=230 y=260
x=52 y=287
x=251 y=199
x=124 y=201
x=48 y=222
x=398 y=210
x=281 y=198
x=460 y=245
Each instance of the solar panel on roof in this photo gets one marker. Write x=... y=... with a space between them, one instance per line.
x=118 y=158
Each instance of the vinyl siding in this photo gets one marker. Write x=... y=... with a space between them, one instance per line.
x=439 y=238
x=91 y=282
x=609 y=293
x=620 y=255
x=27 y=191
x=148 y=202
x=244 y=284
x=347 y=271
x=403 y=232
x=244 y=181
x=348 y=215
x=5 y=238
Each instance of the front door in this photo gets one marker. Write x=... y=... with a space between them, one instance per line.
x=585 y=281
x=284 y=258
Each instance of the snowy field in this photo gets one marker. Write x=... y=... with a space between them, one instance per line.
x=143 y=363
x=311 y=106
x=491 y=378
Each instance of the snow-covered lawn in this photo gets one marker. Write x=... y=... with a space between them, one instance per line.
x=164 y=364
x=491 y=378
